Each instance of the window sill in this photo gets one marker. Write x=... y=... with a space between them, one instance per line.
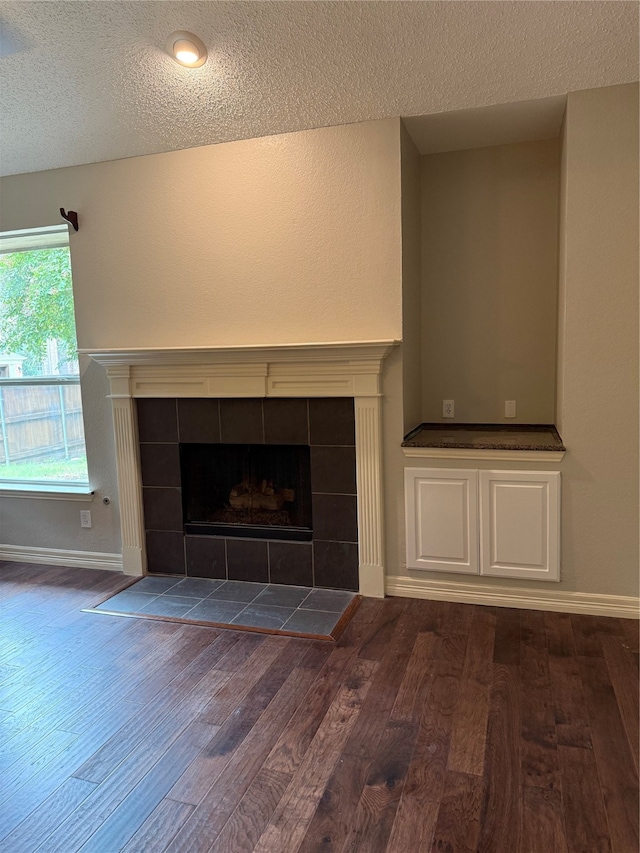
x=55 y=492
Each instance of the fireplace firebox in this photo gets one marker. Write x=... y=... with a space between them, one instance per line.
x=246 y=490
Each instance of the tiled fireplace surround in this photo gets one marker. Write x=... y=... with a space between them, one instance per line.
x=326 y=425
x=279 y=382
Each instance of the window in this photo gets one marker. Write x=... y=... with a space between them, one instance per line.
x=41 y=427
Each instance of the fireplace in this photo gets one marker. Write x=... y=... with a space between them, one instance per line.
x=231 y=487
x=272 y=373
x=246 y=490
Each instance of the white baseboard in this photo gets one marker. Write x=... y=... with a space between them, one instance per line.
x=58 y=557
x=621 y=606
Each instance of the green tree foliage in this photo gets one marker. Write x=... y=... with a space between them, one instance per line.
x=36 y=304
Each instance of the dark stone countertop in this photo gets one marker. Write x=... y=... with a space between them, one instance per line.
x=486 y=436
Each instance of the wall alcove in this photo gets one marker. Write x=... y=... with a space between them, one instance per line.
x=480 y=243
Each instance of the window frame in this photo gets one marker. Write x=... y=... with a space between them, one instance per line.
x=28 y=240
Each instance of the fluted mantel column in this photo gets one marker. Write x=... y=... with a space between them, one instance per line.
x=128 y=468
x=370 y=495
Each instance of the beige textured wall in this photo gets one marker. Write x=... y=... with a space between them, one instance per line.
x=599 y=318
x=411 y=283
x=489 y=266
x=276 y=240
x=39 y=523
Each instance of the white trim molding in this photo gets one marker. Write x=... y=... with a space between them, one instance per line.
x=592 y=604
x=480 y=455
x=129 y=485
x=58 y=557
x=370 y=496
x=49 y=493
x=345 y=369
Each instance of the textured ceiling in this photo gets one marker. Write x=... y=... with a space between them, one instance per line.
x=82 y=82
x=500 y=124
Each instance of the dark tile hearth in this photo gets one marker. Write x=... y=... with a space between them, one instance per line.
x=291 y=563
x=290 y=610
x=285 y=421
x=241 y=421
x=199 y=421
x=326 y=426
x=247 y=560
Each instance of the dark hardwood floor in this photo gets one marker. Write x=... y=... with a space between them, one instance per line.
x=427 y=727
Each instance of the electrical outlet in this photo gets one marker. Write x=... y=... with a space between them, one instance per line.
x=85 y=518
x=447 y=408
x=509 y=408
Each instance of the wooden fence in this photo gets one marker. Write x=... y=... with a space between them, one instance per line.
x=40 y=422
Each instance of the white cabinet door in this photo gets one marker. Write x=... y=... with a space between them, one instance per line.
x=520 y=524
x=442 y=519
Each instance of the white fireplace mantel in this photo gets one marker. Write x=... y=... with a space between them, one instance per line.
x=345 y=369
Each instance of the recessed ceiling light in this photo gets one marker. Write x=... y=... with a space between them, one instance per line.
x=186 y=49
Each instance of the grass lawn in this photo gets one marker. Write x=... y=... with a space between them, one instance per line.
x=69 y=470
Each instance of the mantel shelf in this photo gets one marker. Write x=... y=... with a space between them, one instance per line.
x=336 y=351
x=344 y=369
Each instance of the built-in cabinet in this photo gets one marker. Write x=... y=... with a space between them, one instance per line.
x=441 y=508
x=493 y=523
x=480 y=304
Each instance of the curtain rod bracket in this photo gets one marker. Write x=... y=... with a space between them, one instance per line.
x=71 y=217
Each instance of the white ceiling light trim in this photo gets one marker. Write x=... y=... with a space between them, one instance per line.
x=186 y=49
